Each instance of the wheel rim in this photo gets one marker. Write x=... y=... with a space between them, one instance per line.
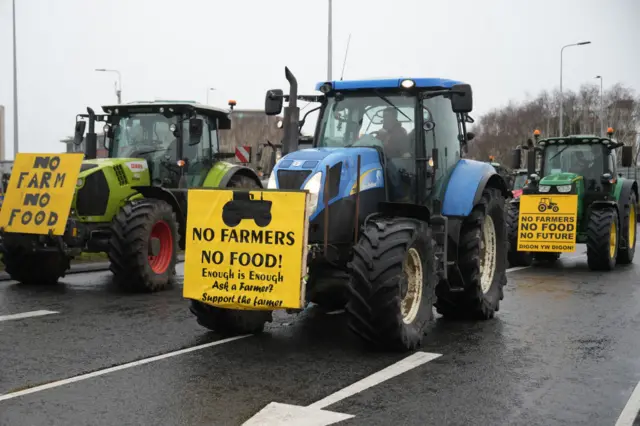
x=487 y=254
x=412 y=269
x=613 y=240
x=162 y=232
x=632 y=226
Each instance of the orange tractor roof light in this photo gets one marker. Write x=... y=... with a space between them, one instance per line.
x=536 y=133
x=610 y=131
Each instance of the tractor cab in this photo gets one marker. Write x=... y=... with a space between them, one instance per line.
x=519 y=181
x=179 y=140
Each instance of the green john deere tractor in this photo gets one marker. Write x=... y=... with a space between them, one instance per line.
x=133 y=204
x=607 y=204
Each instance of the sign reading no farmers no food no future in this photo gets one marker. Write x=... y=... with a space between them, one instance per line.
x=548 y=223
x=40 y=193
x=246 y=250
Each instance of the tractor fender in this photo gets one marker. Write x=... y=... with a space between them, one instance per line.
x=163 y=194
x=239 y=170
x=414 y=211
x=464 y=189
x=602 y=204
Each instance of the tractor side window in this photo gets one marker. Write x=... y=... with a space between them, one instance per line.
x=612 y=164
x=445 y=133
x=213 y=137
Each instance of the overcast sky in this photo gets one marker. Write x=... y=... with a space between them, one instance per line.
x=165 y=49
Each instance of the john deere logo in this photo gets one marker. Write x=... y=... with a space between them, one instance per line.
x=547 y=204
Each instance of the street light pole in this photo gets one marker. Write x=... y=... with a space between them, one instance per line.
x=208 y=90
x=119 y=87
x=15 y=87
x=330 y=42
x=582 y=43
x=601 y=107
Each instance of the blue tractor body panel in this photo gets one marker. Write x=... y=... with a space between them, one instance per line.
x=468 y=175
x=317 y=159
x=391 y=83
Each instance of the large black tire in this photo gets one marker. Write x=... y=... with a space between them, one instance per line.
x=41 y=268
x=380 y=283
x=627 y=251
x=473 y=302
x=515 y=257
x=131 y=234
x=229 y=322
x=600 y=232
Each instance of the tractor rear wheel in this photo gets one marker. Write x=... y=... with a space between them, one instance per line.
x=627 y=251
x=515 y=257
x=602 y=239
x=143 y=245
x=43 y=268
x=482 y=258
x=393 y=281
x=229 y=322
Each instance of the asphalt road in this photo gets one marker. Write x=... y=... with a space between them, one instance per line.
x=563 y=350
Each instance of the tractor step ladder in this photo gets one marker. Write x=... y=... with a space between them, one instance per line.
x=439 y=227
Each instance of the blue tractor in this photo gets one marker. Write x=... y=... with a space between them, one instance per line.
x=399 y=221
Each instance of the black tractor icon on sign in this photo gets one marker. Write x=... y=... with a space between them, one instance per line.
x=546 y=204
x=243 y=206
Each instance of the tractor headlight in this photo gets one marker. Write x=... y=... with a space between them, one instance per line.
x=313 y=186
x=544 y=188
x=564 y=188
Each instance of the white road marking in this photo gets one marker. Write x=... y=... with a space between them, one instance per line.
x=630 y=410
x=518 y=268
x=277 y=414
x=116 y=368
x=410 y=362
x=26 y=315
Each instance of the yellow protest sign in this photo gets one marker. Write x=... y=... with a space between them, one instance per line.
x=548 y=223
x=40 y=193
x=246 y=249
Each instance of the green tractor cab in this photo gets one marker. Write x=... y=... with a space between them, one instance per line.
x=132 y=205
x=579 y=170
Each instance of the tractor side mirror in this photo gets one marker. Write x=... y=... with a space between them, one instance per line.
x=627 y=156
x=109 y=134
x=462 y=99
x=516 y=158
x=273 y=102
x=195 y=131
x=79 y=132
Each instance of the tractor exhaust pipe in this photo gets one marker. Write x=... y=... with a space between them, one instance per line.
x=291 y=116
x=91 y=141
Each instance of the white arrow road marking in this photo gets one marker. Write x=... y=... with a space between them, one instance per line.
x=631 y=410
x=26 y=315
x=276 y=414
x=116 y=368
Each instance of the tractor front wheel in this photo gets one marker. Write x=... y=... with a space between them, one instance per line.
x=43 y=268
x=515 y=257
x=482 y=258
x=627 y=251
x=392 y=288
x=602 y=239
x=143 y=245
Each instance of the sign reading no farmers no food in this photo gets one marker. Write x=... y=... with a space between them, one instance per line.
x=40 y=193
x=246 y=250
x=548 y=223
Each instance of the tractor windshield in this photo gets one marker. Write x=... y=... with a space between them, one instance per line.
x=518 y=182
x=143 y=135
x=583 y=159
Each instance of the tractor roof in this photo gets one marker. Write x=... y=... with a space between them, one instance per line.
x=390 y=83
x=152 y=106
x=581 y=139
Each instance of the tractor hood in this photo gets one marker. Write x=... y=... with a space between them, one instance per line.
x=307 y=169
x=559 y=179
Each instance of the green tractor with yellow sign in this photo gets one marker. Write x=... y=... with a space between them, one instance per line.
x=131 y=205
x=577 y=197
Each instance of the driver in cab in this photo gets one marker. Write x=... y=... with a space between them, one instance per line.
x=394 y=137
